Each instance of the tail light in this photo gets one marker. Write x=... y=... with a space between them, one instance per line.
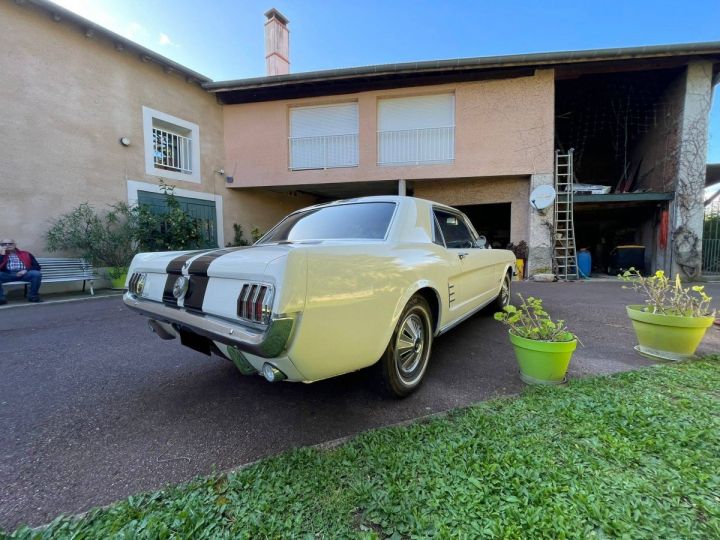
x=136 y=285
x=255 y=303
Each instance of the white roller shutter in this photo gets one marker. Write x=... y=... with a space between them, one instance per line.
x=324 y=137
x=419 y=129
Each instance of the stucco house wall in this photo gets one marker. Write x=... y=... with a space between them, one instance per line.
x=67 y=99
x=456 y=192
x=503 y=127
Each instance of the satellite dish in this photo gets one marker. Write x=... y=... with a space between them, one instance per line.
x=542 y=197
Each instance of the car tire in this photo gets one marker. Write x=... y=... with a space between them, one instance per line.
x=402 y=366
x=503 y=297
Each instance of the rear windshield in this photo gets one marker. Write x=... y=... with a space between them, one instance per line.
x=347 y=221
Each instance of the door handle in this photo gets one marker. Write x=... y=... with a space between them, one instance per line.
x=462 y=255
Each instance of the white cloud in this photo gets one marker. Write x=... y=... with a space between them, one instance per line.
x=165 y=40
x=108 y=18
x=135 y=31
x=90 y=10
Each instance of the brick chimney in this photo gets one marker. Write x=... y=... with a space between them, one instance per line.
x=277 y=43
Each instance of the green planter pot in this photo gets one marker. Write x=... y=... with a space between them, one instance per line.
x=667 y=337
x=542 y=362
x=119 y=281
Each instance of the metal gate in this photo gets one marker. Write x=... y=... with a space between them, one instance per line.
x=203 y=212
x=711 y=240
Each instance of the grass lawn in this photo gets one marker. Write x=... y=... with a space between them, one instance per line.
x=635 y=455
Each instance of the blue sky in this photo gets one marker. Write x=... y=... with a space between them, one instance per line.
x=223 y=39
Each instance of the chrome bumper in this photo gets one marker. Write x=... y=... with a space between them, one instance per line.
x=266 y=344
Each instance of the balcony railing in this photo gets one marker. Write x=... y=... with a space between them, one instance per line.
x=416 y=146
x=324 y=152
x=172 y=151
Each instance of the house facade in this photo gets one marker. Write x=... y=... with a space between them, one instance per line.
x=482 y=133
x=97 y=118
x=89 y=116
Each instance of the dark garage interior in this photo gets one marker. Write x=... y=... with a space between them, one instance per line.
x=600 y=228
x=490 y=220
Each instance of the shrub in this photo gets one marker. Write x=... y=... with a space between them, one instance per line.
x=520 y=250
x=531 y=321
x=172 y=230
x=666 y=298
x=104 y=239
x=238 y=237
x=256 y=234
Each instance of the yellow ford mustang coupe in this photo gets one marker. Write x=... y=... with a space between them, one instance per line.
x=330 y=289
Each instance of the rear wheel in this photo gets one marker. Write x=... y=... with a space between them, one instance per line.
x=405 y=360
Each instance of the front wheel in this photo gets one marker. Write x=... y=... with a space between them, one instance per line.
x=405 y=360
x=503 y=297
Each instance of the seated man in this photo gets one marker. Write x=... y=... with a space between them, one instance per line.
x=17 y=265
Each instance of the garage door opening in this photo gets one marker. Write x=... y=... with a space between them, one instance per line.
x=601 y=229
x=490 y=220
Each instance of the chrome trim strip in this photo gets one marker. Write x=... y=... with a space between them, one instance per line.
x=266 y=344
x=463 y=318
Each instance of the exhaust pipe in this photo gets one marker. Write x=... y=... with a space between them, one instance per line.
x=157 y=329
x=272 y=374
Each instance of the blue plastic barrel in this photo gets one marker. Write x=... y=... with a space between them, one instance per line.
x=584 y=263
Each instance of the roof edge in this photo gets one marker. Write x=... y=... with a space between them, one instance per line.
x=58 y=11
x=484 y=62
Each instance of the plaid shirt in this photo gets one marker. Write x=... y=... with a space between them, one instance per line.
x=14 y=263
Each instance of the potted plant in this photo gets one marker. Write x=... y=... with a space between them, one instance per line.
x=673 y=321
x=543 y=347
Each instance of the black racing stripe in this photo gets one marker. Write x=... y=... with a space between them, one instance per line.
x=168 y=298
x=196 y=292
x=176 y=265
x=174 y=269
x=199 y=266
x=199 y=278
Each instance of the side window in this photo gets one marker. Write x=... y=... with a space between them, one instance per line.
x=454 y=230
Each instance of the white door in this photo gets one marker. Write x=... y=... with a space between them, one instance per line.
x=474 y=283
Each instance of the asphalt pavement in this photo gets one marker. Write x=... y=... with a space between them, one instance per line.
x=93 y=407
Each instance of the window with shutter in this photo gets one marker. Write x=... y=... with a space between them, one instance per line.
x=415 y=130
x=324 y=137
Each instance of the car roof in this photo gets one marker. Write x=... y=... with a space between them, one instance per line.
x=400 y=199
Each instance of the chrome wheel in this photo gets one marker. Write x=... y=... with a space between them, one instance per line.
x=411 y=349
x=402 y=366
x=410 y=345
x=505 y=292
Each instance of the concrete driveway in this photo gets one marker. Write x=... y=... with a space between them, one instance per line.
x=93 y=407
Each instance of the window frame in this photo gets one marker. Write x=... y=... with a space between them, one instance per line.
x=150 y=168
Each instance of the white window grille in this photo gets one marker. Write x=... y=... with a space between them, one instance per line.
x=172 y=146
x=172 y=151
x=416 y=130
x=324 y=137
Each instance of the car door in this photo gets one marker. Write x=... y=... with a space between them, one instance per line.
x=472 y=282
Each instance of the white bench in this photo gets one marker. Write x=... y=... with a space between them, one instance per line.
x=59 y=270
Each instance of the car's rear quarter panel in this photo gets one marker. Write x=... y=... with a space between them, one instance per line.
x=355 y=294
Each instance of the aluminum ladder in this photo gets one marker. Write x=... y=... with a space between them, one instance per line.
x=565 y=253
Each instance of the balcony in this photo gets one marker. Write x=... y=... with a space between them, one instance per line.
x=323 y=152
x=416 y=146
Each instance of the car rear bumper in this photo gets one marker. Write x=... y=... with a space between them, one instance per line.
x=268 y=343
